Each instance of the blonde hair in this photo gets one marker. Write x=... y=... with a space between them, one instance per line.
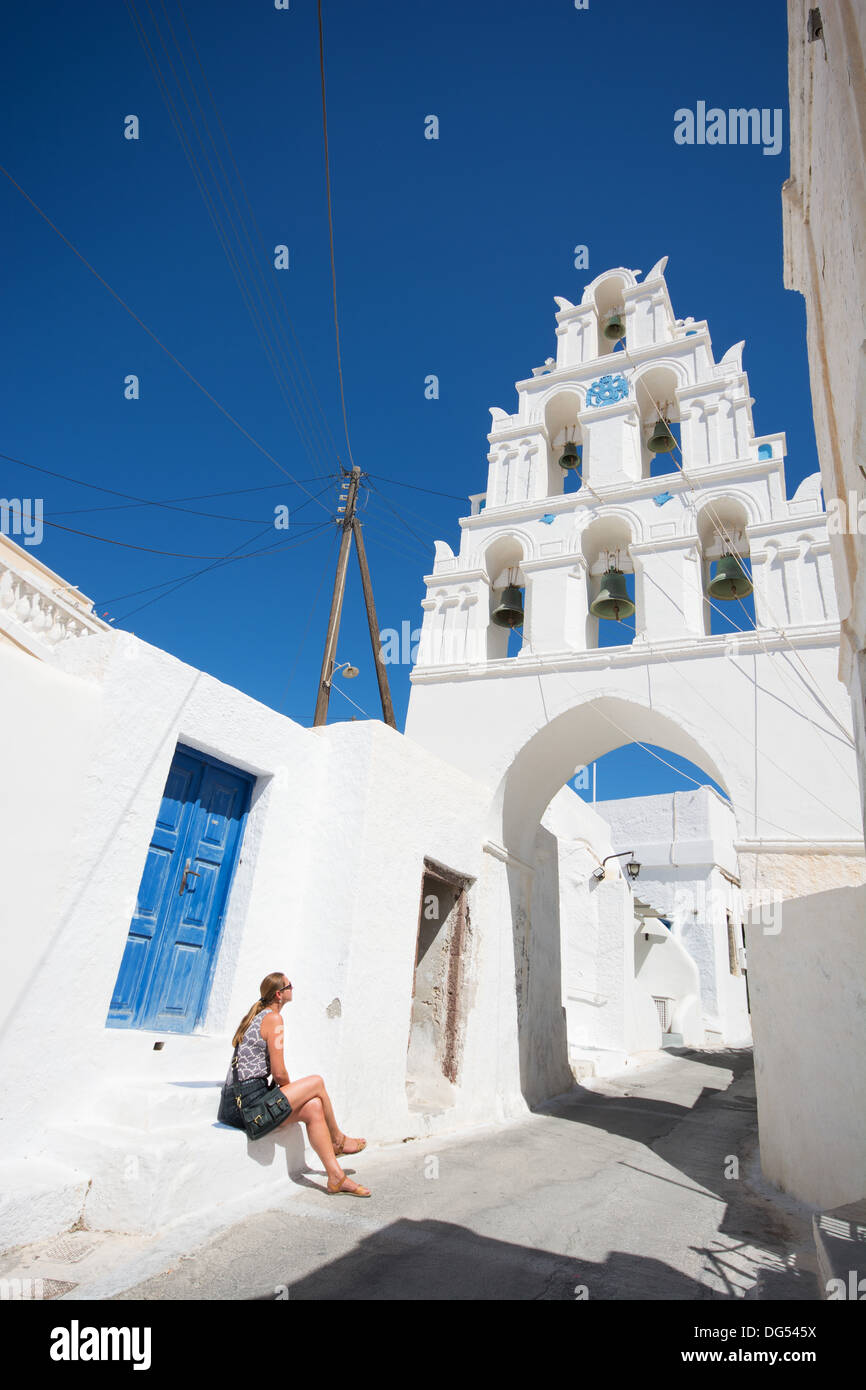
x=268 y=989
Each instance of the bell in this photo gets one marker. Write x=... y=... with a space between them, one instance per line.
x=730 y=579
x=570 y=457
x=614 y=327
x=613 y=600
x=509 y=611
x=661 y=441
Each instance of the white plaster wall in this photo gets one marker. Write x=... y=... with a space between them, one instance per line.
x=824 y=206
x=327 y=888
x=684 y=841
x=809 y=1022
x=664 y=969
x=714 y=709
x=49 y=724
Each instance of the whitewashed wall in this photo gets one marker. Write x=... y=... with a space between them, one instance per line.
x=685 y=844
x=809 y=1023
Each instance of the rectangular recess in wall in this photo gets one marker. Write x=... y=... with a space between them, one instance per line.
x=438 y=1006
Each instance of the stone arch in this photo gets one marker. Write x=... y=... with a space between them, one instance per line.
x=584 y=731
x=560 y=406
x=627 y=278
x=714 y=500
x=495 y=554
x=645 y=388
x=625 y=514
x=539 y=762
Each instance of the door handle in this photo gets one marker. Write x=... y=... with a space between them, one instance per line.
x=187 y=873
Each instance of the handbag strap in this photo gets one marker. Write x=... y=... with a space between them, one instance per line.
x=236 y=1083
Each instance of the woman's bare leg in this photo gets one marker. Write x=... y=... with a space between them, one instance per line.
x=312 y=1114
x=299 y=1092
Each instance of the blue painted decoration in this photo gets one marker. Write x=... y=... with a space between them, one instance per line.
x=662 y=497
x=167 y=967
x=607 y=389
x=765 y=451
x=547 y=518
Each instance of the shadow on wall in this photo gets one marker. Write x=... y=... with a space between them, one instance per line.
x=282 y=1147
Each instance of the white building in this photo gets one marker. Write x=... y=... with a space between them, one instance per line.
x=684 y=842
x=761 y=711
x=166 y=841
x=824 y=206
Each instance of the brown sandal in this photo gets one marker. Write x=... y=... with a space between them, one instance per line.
x=356 y=1191
x=350 y=1153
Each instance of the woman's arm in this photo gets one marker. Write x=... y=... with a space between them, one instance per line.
x=272 y=1032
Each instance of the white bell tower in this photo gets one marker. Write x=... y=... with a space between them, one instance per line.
x=761 y=710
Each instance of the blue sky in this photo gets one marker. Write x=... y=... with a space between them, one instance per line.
x=556 y=129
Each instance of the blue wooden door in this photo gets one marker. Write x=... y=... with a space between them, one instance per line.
x=165 y=974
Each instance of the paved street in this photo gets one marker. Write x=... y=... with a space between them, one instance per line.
x=614 y=1192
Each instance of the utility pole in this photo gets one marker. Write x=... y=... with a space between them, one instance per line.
x=381 y=673
x=351 y=527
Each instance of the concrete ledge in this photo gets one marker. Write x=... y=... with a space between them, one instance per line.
x=145 y=1181
x=840 y=1239
x=38 y=1198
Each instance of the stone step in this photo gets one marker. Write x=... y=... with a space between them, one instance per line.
x=146 y=1180
x=155 y=1105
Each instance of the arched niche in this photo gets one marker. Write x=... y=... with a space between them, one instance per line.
x=604 y=544
x=502 y=561
x=722 y=523
x=609 y=298
x=655 y=391
x=561 y=411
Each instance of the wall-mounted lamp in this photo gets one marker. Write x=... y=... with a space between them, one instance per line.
x=632 y=867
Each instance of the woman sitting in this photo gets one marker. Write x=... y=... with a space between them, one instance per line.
x=259 y=1041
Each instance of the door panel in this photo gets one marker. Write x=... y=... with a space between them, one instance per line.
x=165 y=975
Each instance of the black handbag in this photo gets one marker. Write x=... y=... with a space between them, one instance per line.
x=253 y=1105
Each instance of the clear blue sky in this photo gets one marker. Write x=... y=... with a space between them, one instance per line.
x=556 y=128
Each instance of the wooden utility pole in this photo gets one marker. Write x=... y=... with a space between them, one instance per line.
x=381 y=673
x=351 y=527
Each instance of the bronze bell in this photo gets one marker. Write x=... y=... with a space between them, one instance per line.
x=661 y=441
x=613 y=600
x=614 y=327
x=570 y=456
x=730 y=580
x=509 y=611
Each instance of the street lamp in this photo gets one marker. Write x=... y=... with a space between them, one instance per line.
x=632 y=867
x=349 y=671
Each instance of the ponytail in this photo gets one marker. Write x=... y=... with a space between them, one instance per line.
x=269 y=986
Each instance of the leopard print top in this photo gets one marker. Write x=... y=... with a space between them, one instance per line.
x=253 y=1059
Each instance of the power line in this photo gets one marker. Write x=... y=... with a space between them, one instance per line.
x=405 y=524
x=810 y=791
x=331 y=231
x=726 y=540
x=305 y=633
x=116 y=598
x=226 y=559
x=245 y=282
x=280 y=296
x=454 y=496
x=127 y=545
x=151 y=334
x=148 y=502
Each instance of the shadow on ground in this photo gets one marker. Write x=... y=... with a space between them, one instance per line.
x=434 y=1260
